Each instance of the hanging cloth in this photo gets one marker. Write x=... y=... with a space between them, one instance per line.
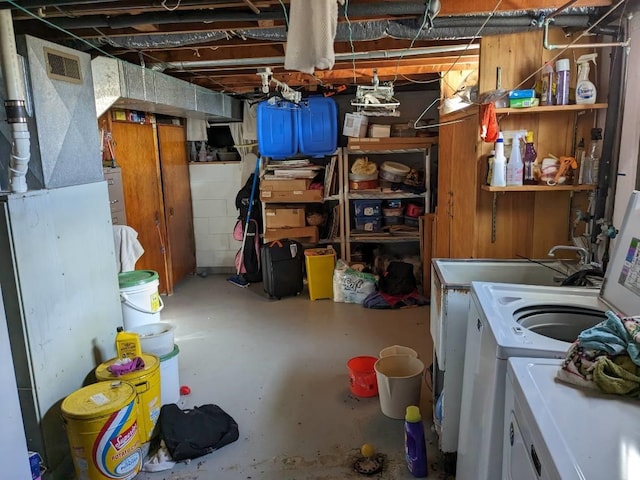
x=312 y=30
x=489 y=127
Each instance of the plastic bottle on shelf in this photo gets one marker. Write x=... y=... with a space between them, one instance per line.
x=490 y=158
x=499 y=173
x=546 y=96
x=585 y=90
x=515 y=166
x=415 y=446
x=592 y=159
x=579 y=156
x=530 y=155
x=563 y=76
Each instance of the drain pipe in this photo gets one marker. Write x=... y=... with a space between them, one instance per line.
x=14 y=105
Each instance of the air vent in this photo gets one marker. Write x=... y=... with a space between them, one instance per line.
x=63 y=66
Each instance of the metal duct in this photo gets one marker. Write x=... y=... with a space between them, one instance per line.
x=339 y=56
x=444 y=28
x=121 y=84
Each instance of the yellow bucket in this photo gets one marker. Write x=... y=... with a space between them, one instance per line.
x=147 y=384
x=103 y=431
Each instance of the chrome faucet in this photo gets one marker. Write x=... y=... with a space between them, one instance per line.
x=583 y=252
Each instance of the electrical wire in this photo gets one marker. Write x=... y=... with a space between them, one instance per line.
x=425 y=17
x=353 y=49
x=286 y=16
x=170 y=9
x=53 y=25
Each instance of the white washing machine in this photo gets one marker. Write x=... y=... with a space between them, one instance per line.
x=555 y=431
x=530 y=321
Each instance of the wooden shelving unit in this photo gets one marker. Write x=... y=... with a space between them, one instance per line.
x=540 y=188
x=550 y=108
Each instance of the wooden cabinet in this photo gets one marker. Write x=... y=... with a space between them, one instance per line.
x=155 y=179
x=477 y=221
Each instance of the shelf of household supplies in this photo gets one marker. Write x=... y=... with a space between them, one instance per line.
x=551 y=108
x=382 y=194
x=540 y=188
x=361 y=237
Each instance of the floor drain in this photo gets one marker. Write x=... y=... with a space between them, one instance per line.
x=369 y=466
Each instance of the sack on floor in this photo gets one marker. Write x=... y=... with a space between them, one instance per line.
x=351 y=286
x=196 y=432
x=398 y=279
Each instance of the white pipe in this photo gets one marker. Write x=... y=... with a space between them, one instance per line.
x=14 y=105
x=339 y=56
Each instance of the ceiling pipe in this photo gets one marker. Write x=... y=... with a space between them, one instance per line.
x=183 y=66
x=51 y=3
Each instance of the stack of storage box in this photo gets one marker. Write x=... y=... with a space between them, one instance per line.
x=288 y=221
x=368 y=215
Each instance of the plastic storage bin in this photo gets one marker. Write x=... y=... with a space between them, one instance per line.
x=277 y=129
x=320 y=263
x=367 y=208
x=369 y=224
x=318 y=126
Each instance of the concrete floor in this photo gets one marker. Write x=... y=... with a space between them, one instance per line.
x=279 y=369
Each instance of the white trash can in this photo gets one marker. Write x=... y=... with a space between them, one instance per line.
x=141 y=303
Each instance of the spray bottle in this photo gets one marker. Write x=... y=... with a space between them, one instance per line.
x=585 y=90
x=515 y=167
x=499 y=172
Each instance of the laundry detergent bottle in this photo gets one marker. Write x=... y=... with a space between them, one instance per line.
x=415 y=446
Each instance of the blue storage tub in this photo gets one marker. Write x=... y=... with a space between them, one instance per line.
x=367 y=208
x=369 y=224
x=277 y=128
x=318 y=126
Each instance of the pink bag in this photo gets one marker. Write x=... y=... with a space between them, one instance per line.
x=238 y=233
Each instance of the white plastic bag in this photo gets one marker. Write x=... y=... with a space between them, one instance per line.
x=351 y=286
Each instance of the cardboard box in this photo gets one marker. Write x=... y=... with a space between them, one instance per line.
x=284 y=217
x=285 y=185
x=302 y=234
x=355 y=125
x=379 y=131
x=294 y=196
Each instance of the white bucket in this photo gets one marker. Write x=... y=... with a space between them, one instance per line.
x=155 y=338
x=141 y=303
x=399 y=382
x=169 y=377
x=398 y=350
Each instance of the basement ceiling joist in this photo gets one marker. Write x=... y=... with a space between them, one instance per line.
x=161 y=34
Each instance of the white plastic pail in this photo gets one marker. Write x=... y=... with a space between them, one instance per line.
x=398 y=350
x=155 y=338
x=141 y=303
x=169 y=377
x=399 y=381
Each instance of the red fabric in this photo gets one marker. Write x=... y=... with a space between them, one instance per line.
x=489 y=127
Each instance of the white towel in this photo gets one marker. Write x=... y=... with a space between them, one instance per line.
x=249 y=130
x=312 y=30
x=196 y=130
x=128 y=248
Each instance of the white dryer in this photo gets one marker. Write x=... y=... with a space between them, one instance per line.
x=508 y=321
x=555 y=431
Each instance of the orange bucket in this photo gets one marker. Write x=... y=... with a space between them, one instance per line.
x=362 y=376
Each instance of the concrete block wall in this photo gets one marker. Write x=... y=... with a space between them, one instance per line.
x=213 y=192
